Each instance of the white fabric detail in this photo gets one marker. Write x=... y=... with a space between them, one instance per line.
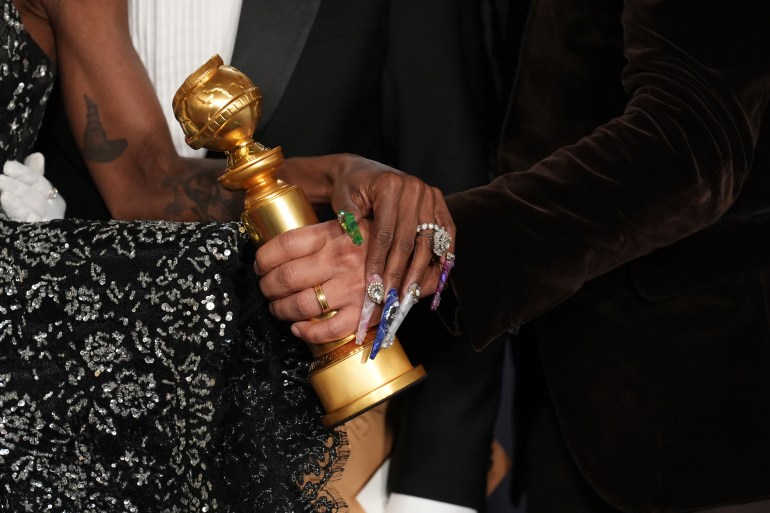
x=373 y=497
x=174 y=38
x=398 y=503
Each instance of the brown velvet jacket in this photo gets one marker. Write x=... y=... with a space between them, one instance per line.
x=630 y=225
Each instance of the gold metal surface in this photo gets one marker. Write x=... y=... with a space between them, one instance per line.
x=218 y=108
x=366 y=382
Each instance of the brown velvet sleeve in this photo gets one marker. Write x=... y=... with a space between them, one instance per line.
x=697 y=77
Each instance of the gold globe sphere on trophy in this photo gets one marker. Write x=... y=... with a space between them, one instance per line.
x=219 y=108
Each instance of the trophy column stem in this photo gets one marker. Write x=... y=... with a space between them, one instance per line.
x=346 y=380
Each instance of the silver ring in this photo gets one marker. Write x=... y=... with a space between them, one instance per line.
x=376 y=292
x=427 y=226
x=440 y=237
x=53 y=192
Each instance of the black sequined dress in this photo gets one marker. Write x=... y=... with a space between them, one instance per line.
x=139 y=368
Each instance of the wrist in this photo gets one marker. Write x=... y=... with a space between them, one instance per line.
x=316 y=175
x=333 y=167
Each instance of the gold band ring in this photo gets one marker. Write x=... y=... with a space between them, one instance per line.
x=319 y=294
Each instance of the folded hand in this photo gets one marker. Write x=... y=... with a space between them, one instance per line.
x=294 y=263
x=26 y=195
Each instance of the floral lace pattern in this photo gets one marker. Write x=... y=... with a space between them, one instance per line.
x=141 y=372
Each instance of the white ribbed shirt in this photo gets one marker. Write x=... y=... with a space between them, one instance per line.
x=174 y=38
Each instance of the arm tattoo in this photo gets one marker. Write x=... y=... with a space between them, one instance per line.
x=96 y=146
x=201 y=197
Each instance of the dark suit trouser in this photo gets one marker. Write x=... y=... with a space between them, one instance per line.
x=445 y=424
x=544 y=471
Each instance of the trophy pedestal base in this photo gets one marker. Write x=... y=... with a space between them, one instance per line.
x=375 y=397
x=348 y=382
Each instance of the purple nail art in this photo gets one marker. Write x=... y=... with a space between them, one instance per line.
x=446 y=268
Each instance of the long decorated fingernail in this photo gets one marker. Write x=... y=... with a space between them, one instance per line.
x=446 y=268
x=350 y=226
x=363 y=324
x=388 y=311
x=375 y=289
x=375 y=293
x=412 y=294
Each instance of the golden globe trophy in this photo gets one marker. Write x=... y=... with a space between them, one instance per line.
x=219 y=108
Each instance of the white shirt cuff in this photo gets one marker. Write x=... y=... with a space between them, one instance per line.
x=398 y=503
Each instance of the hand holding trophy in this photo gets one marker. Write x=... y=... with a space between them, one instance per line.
x=218 y=108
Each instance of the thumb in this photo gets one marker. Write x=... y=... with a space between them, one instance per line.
x=36 y=162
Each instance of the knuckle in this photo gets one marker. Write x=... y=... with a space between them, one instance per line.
x=286 y=275
x=395 y=277
x=405 y=245
x=306 y=305
x=356 y=196
x=392 y=179
x=287 y=240
x=414 y=185
x=334 y=330
x=385 y=237
x=392 y=182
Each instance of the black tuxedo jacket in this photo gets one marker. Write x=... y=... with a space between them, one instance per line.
x=630 y=229
x=366 y=77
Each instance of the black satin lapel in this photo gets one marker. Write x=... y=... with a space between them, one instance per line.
x=271 y=36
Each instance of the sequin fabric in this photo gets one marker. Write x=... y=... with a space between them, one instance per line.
x=141 y=372
x=26 y=79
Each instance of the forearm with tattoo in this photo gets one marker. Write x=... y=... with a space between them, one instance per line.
x=199 y=195
x=96 y=146
x=189 y=187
